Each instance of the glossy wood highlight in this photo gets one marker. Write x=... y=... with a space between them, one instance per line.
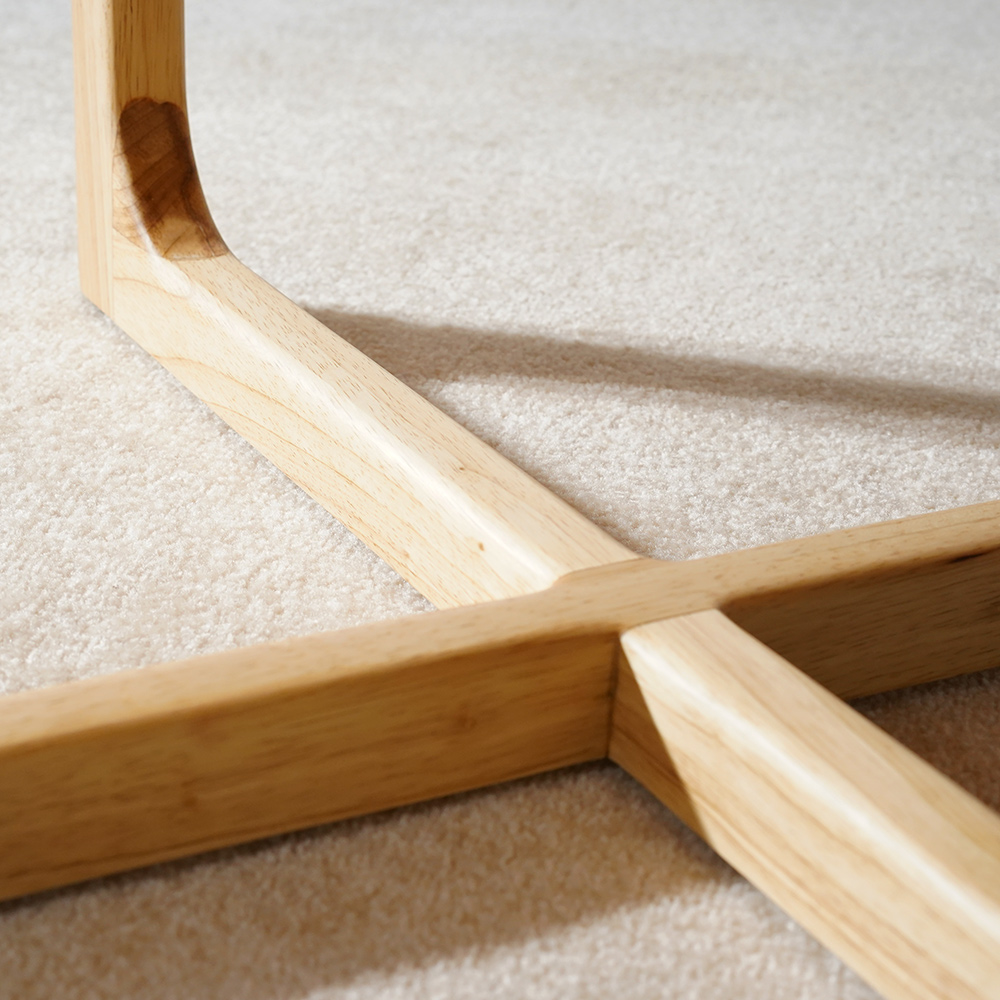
x=125 y=770
x=884 y=859
x=107 y=774
x=454 y=517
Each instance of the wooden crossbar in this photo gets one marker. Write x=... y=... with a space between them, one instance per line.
x=573 y=648
x=132 y=768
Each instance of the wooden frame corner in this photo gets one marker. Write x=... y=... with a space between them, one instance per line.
x=561 y=645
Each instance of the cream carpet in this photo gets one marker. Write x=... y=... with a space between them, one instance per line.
x=717 y=272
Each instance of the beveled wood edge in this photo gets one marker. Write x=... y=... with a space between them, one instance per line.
x=614 y=598
x=885 y=860
x=126 y=770
x=267 y=723
x=139 y=238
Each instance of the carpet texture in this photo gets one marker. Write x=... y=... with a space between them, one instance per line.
x=719 y=273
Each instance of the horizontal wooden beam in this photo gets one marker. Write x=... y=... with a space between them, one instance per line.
x=861 y=635
x=128 y=769
x=124 y=770
x=861 y=610
x=882 y=858
x=882 y=606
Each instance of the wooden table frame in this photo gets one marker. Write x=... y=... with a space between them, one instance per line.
x=560 y=645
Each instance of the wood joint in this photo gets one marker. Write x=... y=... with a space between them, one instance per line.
x=159 y=202
x=571 y=636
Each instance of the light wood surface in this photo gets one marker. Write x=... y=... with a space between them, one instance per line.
x=885 y=860
x=103 y=775
x=882 y=858
x=862 y=635
x=95 y=139
x=454 y=517
x=124 y=51
x=861 y=610
x=125 y=770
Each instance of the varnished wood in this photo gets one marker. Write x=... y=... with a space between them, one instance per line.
x=458 y=520
x=862 y=635
x=160 y=205
x=878 y=607
x=454 y=517
x=95 y=145
x=885 y=860
x=217 y=750
x=139 y=767
x=124 y=51
x=114 y=772
x=861 y=610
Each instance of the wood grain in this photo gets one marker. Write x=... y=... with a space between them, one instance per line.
x=128 y=769
x=455 y=518
x=862 y=635
x=125 y=770
x=124 y=50
x=861 y=610
x=160 y=205
x=95 y=144
x=881 y=857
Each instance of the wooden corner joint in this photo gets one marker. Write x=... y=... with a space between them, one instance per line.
x=561 y=645
x=159 y=204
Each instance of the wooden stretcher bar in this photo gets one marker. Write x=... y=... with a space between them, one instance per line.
x=573 y=648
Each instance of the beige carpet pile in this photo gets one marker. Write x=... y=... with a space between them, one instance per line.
x=718 y=272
